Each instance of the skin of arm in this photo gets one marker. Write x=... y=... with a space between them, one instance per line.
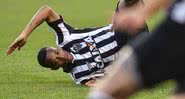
x=45 y=13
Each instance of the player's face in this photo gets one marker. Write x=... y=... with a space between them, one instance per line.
x=57 y=57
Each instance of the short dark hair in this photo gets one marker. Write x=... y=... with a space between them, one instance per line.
x=41 y=57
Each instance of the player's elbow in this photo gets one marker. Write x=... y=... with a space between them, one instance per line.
x=47 y=9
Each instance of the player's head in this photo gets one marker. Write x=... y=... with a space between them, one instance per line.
x=53 y=58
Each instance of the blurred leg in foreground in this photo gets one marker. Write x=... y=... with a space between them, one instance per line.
x=150 y=59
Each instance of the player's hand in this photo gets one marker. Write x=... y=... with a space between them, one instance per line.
x=129 y=22
x=18 y=43
x=90 y=83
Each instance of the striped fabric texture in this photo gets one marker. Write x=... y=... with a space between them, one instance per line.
x=92 y=48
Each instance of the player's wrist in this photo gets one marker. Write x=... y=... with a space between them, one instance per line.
x=24 y=36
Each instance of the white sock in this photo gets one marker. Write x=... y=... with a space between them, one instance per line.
x=99 y=95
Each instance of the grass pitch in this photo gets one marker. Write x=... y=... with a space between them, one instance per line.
x=20 y=75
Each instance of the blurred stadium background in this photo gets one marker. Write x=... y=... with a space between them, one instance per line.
x=20 y=75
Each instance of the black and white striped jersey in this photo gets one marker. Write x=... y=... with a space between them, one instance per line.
x=92 y=48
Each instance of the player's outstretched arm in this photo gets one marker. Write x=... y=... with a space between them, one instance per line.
x=45 y=13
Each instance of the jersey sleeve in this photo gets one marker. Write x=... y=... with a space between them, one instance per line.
x=62 y=30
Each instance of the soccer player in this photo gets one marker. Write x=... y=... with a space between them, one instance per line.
x=83 y=53
x=150 y=59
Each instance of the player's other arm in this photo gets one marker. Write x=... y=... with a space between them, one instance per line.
x=45 y=13
x=125 y=19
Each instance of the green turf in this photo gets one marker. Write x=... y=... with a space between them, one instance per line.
x=20 y=75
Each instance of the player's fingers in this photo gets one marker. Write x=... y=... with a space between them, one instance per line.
x=11 y=48
x=21 y=45
x=19 y=48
